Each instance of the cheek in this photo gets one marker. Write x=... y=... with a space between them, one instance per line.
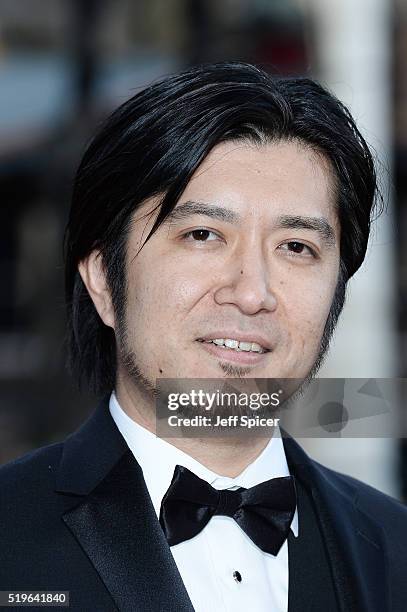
x=181 y=293
x=307 y=309
x=166 y=295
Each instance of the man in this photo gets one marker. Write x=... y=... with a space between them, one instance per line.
x=216 y=219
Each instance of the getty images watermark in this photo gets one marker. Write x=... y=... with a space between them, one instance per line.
x=210 y=407
x=326 y=407
x=214 y=403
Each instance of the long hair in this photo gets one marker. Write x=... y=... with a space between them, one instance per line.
x=152 y=145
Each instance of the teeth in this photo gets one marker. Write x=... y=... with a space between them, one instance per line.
x=245 y=346
x=232 y=343
x=238 y=346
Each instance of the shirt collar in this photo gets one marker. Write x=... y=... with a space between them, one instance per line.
x=151 y=451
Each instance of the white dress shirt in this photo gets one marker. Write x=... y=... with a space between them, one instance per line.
x=208 y=561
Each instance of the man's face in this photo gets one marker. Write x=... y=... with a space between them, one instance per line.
x=250 y=254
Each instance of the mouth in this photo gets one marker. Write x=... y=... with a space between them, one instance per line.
x=245 y=352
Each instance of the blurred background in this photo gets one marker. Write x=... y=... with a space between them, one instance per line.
x=65 y=64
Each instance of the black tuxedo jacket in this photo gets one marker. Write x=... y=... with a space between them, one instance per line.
x=76 y=516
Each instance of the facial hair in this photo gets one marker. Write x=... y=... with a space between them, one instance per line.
x=148 y=388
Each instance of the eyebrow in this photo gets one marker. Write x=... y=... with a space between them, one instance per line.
x=190 y=208
x=183 y=211
x=316 y=224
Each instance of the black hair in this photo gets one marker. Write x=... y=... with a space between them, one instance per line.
x=152 y=144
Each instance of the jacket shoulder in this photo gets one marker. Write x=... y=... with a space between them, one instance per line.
x=33 y=469
x=370 y=500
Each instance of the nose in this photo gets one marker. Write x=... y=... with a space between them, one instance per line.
x=246 y=283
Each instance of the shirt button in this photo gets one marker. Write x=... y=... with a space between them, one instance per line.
x=237 y=576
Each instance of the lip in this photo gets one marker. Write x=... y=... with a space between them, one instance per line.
x=227 y=354
x=240 y=336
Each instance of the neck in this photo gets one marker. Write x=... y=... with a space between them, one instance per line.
x=226 y=456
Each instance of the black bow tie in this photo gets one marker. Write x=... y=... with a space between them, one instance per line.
x=264 y=512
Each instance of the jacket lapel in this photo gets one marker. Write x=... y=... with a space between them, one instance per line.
x=113 y=519
x=355 y=542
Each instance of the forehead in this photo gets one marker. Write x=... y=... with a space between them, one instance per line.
x=272 y=179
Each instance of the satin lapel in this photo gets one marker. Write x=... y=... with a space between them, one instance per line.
x=355 y=543
x=115 y=522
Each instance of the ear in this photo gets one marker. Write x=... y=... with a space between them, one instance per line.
x=93 y=275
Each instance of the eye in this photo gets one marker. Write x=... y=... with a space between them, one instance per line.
x=200 y=235
x=297 y=248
